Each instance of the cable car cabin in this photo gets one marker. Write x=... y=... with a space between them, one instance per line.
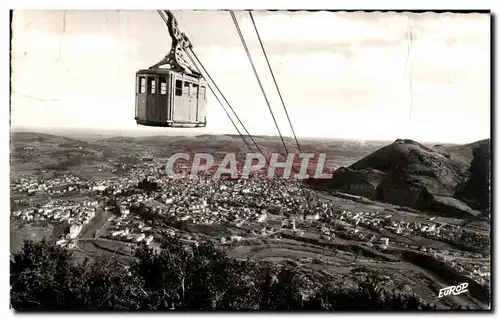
x=170 y=99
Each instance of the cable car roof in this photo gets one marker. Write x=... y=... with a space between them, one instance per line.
x=156 y=71
x=161 y=71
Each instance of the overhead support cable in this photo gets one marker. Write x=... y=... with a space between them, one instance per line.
x=265 y=96
x=227 y=102
x=257 y=77
x=274 y=80
x=225 y=110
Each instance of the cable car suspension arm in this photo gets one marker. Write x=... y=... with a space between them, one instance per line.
x=181 y=48
x=180 y=44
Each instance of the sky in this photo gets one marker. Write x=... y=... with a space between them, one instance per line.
x=350 y=75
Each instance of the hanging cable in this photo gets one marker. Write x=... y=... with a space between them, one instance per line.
x=225 y=111
x=162 y=15
x=191 y=52
x=265 y=96
x=257 y=76
x=227 y=102
x=274 y=80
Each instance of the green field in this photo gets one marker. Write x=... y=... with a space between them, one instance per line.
x=20 y=232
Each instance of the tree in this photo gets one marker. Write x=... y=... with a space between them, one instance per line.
x=180 y=277
x=183 y=279
x=279 y=289
x=115 y=206
x=147 y=185
x=39 y=276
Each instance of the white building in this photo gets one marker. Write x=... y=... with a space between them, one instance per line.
x=312 y=217
x=74 y=231
x=140 y=237
x=61 y=242
x=116 y=233
x=262 y=217
x=384 y=241
x=236 y=238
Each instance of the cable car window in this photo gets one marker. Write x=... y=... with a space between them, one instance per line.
x=142 y=85
x=186 y=87
x=202 y=90
x=151 y=85
x=163 y=85
x=194 y=89
x=178 y=87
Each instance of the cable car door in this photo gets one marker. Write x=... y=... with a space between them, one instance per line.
x=162 y=100
x=181 y=101
x=202 y=103
x=141 y=102
x=151 y=103
x=193 y=102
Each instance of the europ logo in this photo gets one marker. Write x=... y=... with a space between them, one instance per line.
x=455 y=290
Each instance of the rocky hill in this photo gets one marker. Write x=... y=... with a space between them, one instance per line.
x=476 y=189
x=449 y=180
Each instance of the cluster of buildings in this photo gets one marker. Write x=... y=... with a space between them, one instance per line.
x=72 y=215
x=361 y=226
x=377 y=221
x=477 y=270
x=245 y=204
x=129 y=228
x=35 y=185
x=60 y=210
x=69 y=184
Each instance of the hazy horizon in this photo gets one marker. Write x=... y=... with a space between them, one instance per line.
x=75 y=132
x=346 y=76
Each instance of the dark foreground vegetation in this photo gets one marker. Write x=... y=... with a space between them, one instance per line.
x=44 y=277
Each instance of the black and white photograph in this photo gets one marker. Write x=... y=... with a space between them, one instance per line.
x=250 y=160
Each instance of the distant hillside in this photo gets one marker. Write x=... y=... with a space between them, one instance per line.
x=339 y=153
x=42 y=138
x=443 y=179
x=35 y=153
x=51 y=155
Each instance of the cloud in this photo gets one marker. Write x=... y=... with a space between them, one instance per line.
x=341 y=75
x=323 y=26
x=62 y=66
